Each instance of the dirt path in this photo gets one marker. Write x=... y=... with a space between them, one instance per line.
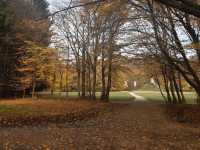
x=133 y=126
x=137 y=97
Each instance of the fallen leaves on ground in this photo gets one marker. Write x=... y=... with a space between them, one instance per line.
x=124 y=126
x=40 y=112
x=184 y=113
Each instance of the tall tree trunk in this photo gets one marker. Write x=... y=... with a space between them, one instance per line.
x=103 y=76
x=109 y=79
x=181 y=88
x=166 y=84
x=197 y=89
x=79 y=81
x=198 y=97
x=33 y=86
x=83 y=94
x=67 y=83
x=94 y=83
x=89 y=82
x=24 y=93
x=176 y=87
x=109 y=82
x=172 y=90
x=160 y=88
x=67 y=74
x=61 y=82
x=53 y=83
x=95 y=66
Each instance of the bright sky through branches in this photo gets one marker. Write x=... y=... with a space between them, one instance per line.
x=54 y=3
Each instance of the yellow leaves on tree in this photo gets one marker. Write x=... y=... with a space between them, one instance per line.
x=36 y=64
x=116 y=7
x=35 y=31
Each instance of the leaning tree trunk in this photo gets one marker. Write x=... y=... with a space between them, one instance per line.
x=172 y=90
x=181 y=88
x=166 y=84
x=160 y=88
x=176 y=86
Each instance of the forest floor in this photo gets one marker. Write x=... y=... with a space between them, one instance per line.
x=133 y=125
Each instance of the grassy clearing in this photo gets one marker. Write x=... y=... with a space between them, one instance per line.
x=121 y=95
x=114 y=95
x=156 y=96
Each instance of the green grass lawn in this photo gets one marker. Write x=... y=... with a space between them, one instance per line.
x=124 y=95
x=121 y=95
x=114 y=95
x=156 y=96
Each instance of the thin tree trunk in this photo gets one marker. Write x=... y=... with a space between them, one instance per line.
x=94 y=83
x=160 y=88
x=109 y=79
x=181 y=88
x=95 y=67
x=53 y=83
x=67 y=84
x=164 y=73
x=79 y=82
x=89 y=83
x=61 y=82
x=24 y=93
x=103 y=80
x=195 y=82
x=176 y=87
x=171 y=85
x=197 y=89
x=33 y=87
x=83 y=94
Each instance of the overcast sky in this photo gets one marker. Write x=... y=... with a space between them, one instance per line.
x=54 y=3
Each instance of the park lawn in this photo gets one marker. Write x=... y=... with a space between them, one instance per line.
x=156 y=96
x=114 y=95
x=29 y=111
x=121 y=96
x=58 y=94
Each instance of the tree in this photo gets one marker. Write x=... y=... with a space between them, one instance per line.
x=87 y=31
x=18 y=26
x=191 y=7
x=36 y=65
x=188 y=6
x=161 y=38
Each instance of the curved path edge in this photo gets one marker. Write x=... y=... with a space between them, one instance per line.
x=137 y=97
